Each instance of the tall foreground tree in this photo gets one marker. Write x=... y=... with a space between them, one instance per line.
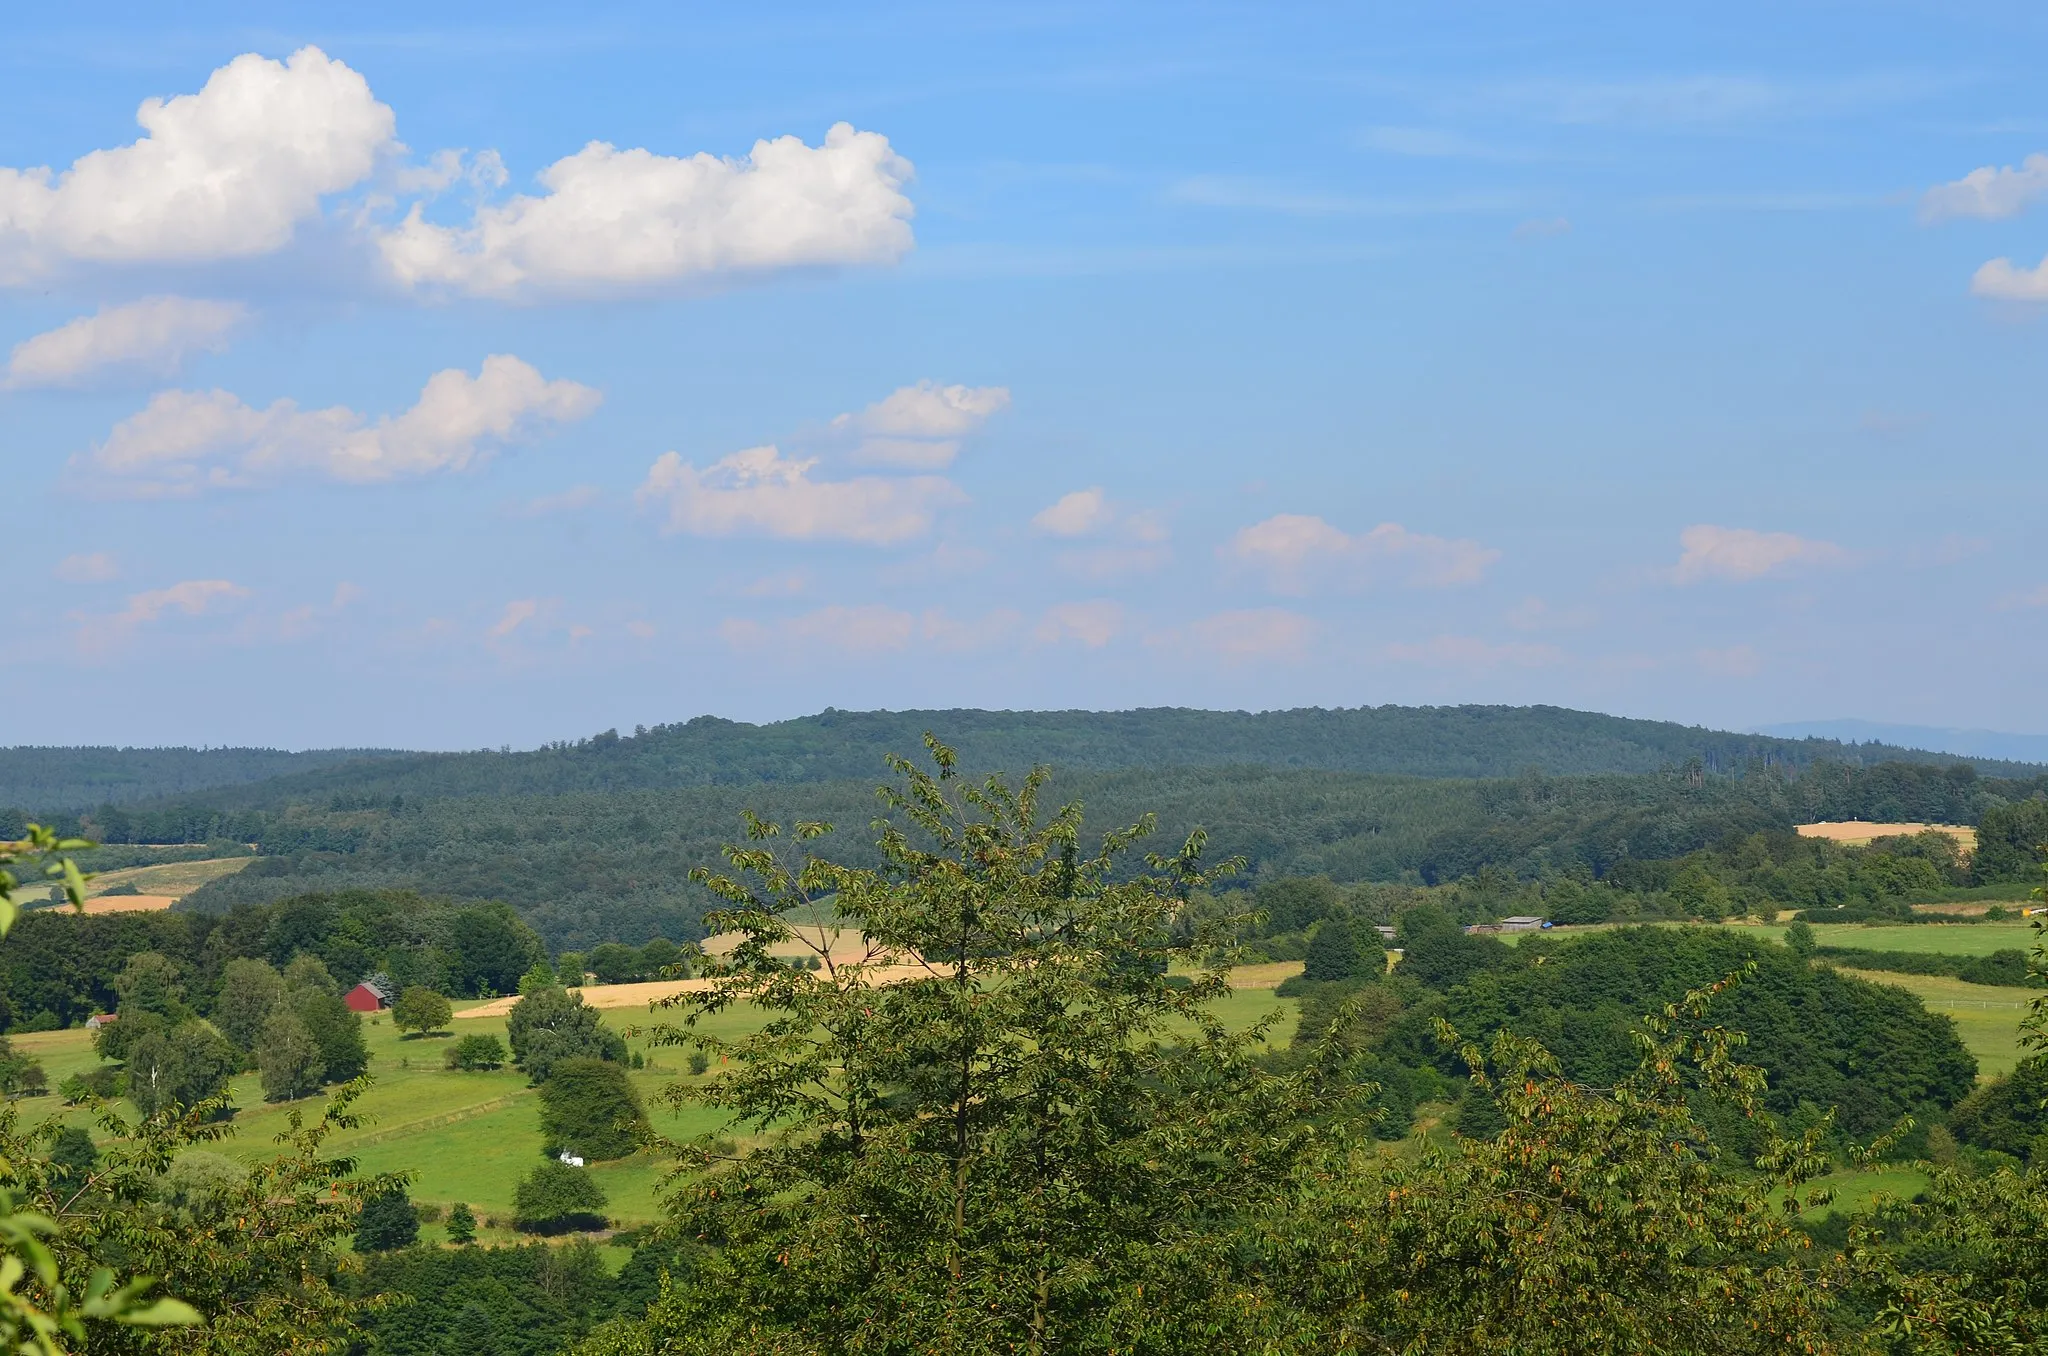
x=1007 y=1127
x=45 y=1305
x=251 y=1265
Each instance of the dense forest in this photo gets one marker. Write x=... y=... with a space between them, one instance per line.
x=1450 y=741
x=68 y=778
x=593 y=867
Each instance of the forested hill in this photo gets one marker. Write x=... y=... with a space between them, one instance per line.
x=1446 y=741
x=48 y=778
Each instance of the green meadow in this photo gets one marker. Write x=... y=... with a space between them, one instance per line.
x=471 y=1137
x=465 y=1136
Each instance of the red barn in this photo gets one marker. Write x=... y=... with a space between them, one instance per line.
x=372 y=995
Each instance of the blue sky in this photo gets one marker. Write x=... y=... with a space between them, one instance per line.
x=425 y=388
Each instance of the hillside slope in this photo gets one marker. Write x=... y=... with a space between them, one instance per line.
x=1449 y=741
x=44 y=778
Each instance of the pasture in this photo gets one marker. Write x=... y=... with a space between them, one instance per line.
x=471 y=1136
x=1987 y=1016
x=1949 y=939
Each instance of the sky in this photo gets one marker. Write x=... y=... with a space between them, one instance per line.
x=463 y=376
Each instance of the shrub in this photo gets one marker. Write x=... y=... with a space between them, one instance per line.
x=20 y=1074
x=105 y=1082
x=699 y=1061
x=74 y=1152
x=476 y=1052
x=557 y=1199
x=388 y=1222
x=588 y=1108
x=1338 y=952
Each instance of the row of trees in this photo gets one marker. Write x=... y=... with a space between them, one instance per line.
x=292 y=1026
x=60 y=968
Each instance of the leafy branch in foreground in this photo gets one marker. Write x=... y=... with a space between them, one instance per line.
x=40 y=1309
x=1597 y=1220
x=996 y=1119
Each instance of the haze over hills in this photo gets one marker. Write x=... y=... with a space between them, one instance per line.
x=65 y=778
x=2024 y=748
x=1453 y=741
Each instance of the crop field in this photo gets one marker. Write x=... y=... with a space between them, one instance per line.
x=176 y=879
x=1850 y=833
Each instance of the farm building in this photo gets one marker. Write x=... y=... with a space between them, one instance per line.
x=101 y=1019
x=372 y=995
x=1521 y=922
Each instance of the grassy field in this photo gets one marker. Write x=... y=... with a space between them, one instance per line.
x=468 y=1136
x=1857 y=1189
x=1949 y=939
x=1987 y=1016
x=471 y=1136
x=176 y=879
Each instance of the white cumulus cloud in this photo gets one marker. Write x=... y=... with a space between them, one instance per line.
x=228 y=172
x=183 y=441
x=613 y=220
x=1990 y=193
x=761 y=491
x=1076 y=514
x=2003 y=280
x=155 y=335
x=1297 y=552
x=919 y=427
x=1711 y=552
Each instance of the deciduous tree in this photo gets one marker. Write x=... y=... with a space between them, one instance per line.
x=420 y=1009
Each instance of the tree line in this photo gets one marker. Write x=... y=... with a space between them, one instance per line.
x=594 y=867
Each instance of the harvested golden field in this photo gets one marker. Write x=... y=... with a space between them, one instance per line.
x=173 y=880
x=642 y=994
x=1854 y=832
x=129 y=903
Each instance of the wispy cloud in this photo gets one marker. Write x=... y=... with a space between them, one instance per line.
x=91 y=568
x=1740 y=553
x=1298 y=553
x=98 y=633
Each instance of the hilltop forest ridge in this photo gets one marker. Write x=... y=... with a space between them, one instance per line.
x=1428 y=741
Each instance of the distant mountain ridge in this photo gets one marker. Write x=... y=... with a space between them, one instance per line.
x=2022 y=748
x=1444 y=741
